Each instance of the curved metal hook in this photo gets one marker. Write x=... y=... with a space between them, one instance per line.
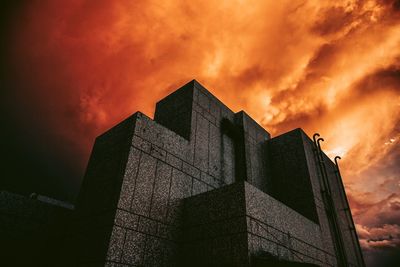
x=314 y=137
x=318 y=143
x=336 y=159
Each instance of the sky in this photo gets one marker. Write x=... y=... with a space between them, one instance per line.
x=72 y=69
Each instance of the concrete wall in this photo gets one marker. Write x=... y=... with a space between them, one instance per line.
x=30 y=231
x=290 y=182
x=215 y=232
x=237 y=224
x=282 y=232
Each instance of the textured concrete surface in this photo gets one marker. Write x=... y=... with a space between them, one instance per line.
x=201 y=185
x=290 y=181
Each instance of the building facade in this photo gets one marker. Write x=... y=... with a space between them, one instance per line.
x=201 y=185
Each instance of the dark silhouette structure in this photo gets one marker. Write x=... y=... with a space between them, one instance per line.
x=201 y=185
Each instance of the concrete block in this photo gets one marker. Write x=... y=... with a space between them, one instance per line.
x=204 y=101
x=191 y=170
x=159 y=203
x=158 y=152
x=215 y=110
x=173 y=161
x=133 y=248
x=228 y=161
x=153 y=255
x=215 y=152
x=141 y=144
x=147 y=226
x=174 y=216
x=126 y=219
x=129 y=179
x=198 y=187
x=144 y=185
x=201 y=147
x=181 y=186
x=116 y=244
x=209 y=117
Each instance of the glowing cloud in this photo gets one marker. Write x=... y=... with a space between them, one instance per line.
x=327 y=66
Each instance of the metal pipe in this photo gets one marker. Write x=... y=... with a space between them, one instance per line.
x=322 y=166
x=331 y=211
x=314 y=137
x=347 y=211
x=336 y=163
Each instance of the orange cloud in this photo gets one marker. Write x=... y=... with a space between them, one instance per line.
x=78 y=67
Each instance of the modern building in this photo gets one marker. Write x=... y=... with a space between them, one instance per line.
x=201 y=185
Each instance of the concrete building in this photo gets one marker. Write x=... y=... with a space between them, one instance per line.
x=201 y=185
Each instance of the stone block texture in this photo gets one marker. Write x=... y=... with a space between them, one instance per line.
x=201 y=185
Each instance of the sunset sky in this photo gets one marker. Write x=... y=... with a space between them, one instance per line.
x=72 y=69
